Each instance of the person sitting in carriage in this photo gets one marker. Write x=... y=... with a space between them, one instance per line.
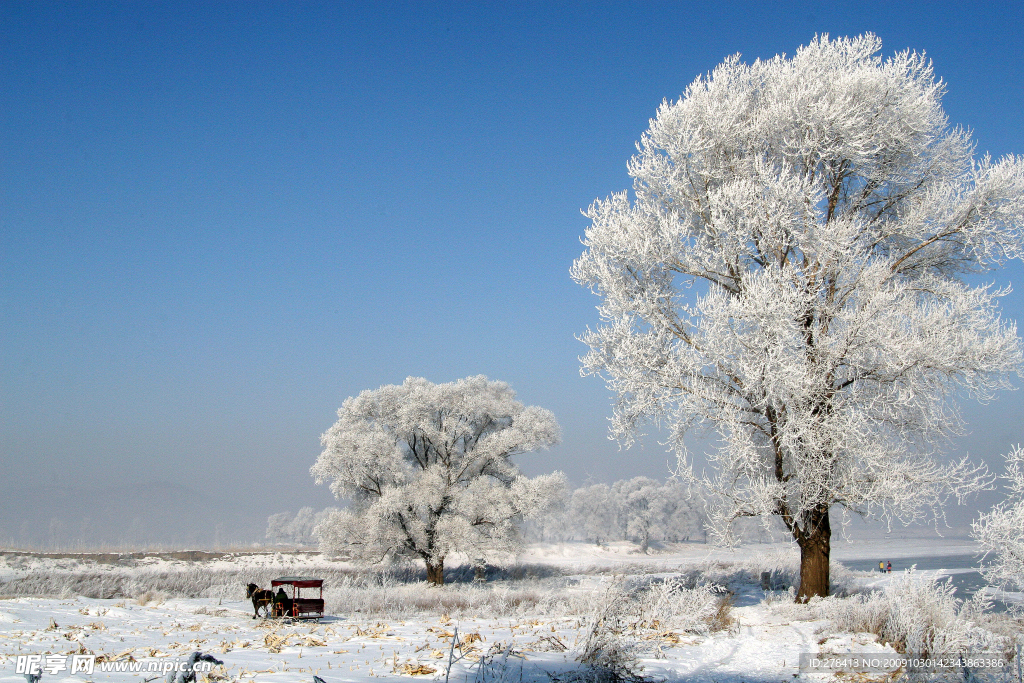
x=282 y=603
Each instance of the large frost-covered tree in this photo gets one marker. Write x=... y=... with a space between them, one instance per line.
x=428 y=470
x=789 y=273
x=1001 y=531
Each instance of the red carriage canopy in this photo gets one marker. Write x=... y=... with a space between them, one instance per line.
x=298 y=582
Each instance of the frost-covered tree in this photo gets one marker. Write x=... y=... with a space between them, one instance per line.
x=634 y=509
x=1001 y=531
x=298 y=529
x=595 y=513
x=788 y=274
x=637 y=502
x=428 y=469
x=277 y=527
x=678 y=513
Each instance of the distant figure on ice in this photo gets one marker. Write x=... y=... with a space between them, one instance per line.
x=888 y=567
x=881 y=566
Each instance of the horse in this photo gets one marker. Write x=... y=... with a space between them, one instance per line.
x=260 y=598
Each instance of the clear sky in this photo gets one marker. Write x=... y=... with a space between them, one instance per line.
x=219 y=220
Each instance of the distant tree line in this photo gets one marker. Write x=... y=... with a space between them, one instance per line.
x=641 y=510
x=285 y=528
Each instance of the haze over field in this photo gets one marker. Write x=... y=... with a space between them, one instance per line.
x=216 y=224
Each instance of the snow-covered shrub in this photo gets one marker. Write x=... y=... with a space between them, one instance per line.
x=865 y=613
x=606 y=653
x=917 y=615
x=381 y=595
x=616 y=620
x=703 y=608
x=925 y=618
x=151 y=597
x=222 y=591
x=613 y=622
x=842 y=580
x=782 y=564
x=497 y=665
x=1001 y=531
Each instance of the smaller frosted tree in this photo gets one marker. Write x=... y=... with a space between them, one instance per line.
x=428 y=470
x=1001 y=531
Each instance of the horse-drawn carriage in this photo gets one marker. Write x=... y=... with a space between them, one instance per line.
x=283 y=605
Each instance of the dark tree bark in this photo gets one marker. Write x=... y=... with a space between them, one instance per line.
x=435 y=573
x=815 y=547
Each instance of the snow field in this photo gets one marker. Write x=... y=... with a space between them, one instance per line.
x=661 y=616
x=337 y=648
x=762 y=642
x=526 y=628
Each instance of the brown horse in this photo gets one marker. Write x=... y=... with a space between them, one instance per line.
x=260 y=598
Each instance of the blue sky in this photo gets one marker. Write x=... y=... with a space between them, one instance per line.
x=218 y=220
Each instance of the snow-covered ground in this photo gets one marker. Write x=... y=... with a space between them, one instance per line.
x=763 y=643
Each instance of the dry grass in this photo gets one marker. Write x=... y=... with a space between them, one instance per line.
x=723 y=620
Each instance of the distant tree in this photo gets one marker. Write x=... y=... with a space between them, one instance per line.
x=595 y=514
x=58 y=531
x=277 y=527
x=553 y=525
x=302 y=526
x=788 y=273
x=428 y=470
x=634 y=509
x=297 y=529
x=677 y=512
x=1001 y=531
x=637 y=502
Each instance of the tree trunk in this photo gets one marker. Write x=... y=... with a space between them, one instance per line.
x=435 y=573
x=815 y=547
